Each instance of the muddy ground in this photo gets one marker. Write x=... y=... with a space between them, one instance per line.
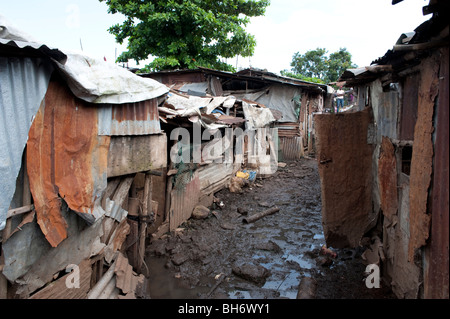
x=221 y=256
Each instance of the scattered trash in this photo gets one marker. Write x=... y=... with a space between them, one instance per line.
x=236 y=184
x=246 y=174
x=327 y=252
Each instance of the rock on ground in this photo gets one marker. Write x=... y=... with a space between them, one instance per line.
x=251 y=272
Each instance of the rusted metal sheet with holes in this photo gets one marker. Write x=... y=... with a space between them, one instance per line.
x=66 y=159
x=422 y=156
x=345 y=169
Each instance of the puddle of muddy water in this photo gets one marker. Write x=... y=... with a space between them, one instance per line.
x=164 y=285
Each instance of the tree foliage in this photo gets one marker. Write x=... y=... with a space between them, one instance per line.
x=315 y=64
x=185 y=33
x=301 y=77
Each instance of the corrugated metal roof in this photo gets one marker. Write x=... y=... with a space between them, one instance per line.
x=12 y=39
x=140 y=118
x=23 y=83
x=40 y=48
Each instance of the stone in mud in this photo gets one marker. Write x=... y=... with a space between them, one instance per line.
x=227 y=226
x=269 y=246
x=251 y=272
x=265 y=204
x=179 y=258
x=307 y=288
x=157 y=247
x=200 y=212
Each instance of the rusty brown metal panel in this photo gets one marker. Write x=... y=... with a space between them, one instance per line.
x=436 y=281
x=387 y=178
x=409 y=107
x=178 y=77
x=291 y=148
x=422 y=156
x=66 y=159
x=183 y=202
x=345 y=168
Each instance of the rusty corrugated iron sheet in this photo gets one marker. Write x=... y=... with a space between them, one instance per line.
x=387 y=178
x=183 y=202
x=345 y=169
x=422 y=156
x=437 y=274
x=291 y=148
x=140 y=118
x=213 y=177
x=66 y=159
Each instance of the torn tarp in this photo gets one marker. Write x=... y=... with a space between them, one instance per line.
x=97 y=81
x=197 y=109
x=256 y=117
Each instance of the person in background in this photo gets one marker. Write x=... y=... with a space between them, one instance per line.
x=339 y=99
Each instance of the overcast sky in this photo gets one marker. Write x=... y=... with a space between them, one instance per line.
x=366 y=28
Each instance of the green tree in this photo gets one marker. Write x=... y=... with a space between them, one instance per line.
x=185 y=33
x=301 y=77
x=311 y=64
x=315 y=64
x=337 y=63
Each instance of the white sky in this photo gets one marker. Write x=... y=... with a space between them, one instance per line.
x=366 y=28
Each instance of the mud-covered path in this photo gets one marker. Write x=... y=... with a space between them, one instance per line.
x=223 y=257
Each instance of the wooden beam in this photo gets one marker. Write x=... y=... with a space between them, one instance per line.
x=122 y=190
x=19 y=211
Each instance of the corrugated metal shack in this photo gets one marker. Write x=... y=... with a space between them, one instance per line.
x=200 y=166
x=292 y=100
x=80 y=144
x=391 y=155
x=88 y=169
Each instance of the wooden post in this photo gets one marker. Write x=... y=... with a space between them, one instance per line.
x=3 y=280
x=144 y=217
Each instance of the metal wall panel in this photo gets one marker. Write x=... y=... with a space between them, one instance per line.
x=140 y=118
x=183 y=202
x=23 y=83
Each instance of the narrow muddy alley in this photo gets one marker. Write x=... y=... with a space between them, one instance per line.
x=224 y=257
